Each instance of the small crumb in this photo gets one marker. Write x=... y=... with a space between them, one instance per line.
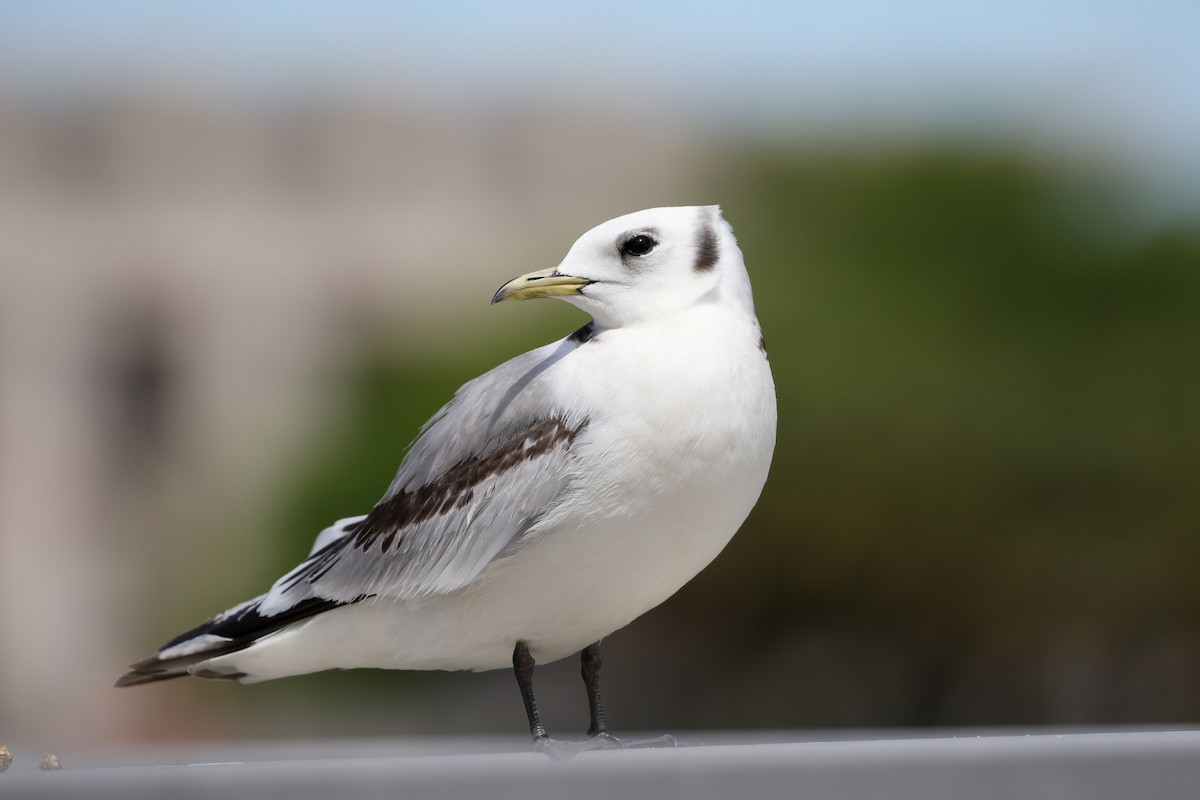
x=50 y=762
x=5 y=757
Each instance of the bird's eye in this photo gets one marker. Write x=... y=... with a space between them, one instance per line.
x=638 y=245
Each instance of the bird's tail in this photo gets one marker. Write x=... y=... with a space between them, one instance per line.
x=234 y=630
x=156 y=668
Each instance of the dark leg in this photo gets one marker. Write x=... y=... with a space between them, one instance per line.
x=523 y=665
x=590 y=664
x=601 y=738
x=523 y=668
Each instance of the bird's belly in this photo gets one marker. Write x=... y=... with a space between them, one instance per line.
x=628 y=537
x=624 y=548
x=575 y=587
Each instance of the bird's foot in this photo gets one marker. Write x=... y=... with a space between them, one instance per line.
x=604 y=741
x=666 y=740
x=565 y=751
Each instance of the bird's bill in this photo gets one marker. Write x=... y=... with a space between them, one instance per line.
x=543 y=283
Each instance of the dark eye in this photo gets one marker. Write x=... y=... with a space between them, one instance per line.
x=638 y=245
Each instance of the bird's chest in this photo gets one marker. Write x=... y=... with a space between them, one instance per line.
x=673 y=456
x=684 y=419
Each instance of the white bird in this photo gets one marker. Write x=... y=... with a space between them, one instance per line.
x=555 y=498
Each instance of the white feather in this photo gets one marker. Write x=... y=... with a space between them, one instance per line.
x=672 y=405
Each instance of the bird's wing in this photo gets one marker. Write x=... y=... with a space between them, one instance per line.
x=484 y=469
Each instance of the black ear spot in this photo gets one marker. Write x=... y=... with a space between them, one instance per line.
x=708 y=251
x=638 y=245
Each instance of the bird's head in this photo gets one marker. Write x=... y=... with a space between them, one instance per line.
x=645 y=265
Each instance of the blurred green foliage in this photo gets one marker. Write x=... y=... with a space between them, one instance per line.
x=983 y=506
x=977 y=399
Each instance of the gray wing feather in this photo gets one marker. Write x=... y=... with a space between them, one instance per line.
x=483 y=470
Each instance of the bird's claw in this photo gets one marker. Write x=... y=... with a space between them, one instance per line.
x=666 y=740
x=565 y=751
x=562 y=751
x=605 y=741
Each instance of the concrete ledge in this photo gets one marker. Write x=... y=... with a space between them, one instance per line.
x=1096 y=766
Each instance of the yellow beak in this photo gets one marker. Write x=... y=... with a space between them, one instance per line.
x=543 y=283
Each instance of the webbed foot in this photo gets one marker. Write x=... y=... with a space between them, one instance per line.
x=565 y=751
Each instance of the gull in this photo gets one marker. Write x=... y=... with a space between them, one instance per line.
x=554 y=499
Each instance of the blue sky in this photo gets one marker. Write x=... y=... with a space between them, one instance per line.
x=1121 y=77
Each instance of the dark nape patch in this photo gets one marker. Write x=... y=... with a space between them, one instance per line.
x=584 y=334
x=708 y=251
x=762 y=343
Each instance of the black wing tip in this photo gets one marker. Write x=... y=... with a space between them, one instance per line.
x=140 y=674
x=148 y=670
x=239 y=631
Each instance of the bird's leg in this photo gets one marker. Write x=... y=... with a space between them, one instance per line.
x=590 y=664
x=601 y=738
x=523 y=665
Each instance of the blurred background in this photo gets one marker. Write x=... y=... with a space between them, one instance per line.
x=247 y=248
